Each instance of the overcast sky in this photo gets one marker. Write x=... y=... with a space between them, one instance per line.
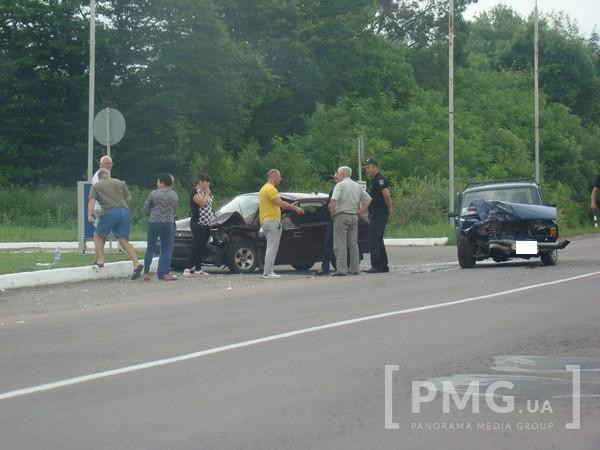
x=585 y=12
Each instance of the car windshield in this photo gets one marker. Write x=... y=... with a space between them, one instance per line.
x=522 y=194
x=246 y=205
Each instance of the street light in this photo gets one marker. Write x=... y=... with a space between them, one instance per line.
x=91 y=89
x=451 y=107
x=536 y=58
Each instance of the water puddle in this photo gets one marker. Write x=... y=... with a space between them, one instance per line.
x=532 y=377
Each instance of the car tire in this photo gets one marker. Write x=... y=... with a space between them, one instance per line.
x=242 y=257
x=549 y=258
x=465 y=258
x=303 y=267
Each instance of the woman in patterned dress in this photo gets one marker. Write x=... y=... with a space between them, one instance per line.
x=201 y=213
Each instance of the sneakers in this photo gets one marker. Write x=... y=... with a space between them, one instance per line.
x=188 y=273
x=169 y=278
x=147 y=277
x=271 y=275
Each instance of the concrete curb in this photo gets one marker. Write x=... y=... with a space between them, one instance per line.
x=428 y=242
x=121 y=269
x=62 y=245
x=420 y=242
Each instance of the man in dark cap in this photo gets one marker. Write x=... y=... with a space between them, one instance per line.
x=380 y=210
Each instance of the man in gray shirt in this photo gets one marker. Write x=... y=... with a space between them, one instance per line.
x=348 y=200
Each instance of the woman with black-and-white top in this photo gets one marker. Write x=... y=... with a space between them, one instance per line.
x=201 y=213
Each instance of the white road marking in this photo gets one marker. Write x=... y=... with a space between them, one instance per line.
x=275 y=337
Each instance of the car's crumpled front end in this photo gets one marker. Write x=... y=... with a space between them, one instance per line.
x=497 y=227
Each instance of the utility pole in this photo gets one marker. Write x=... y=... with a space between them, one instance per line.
x=536 y=61
x=451 y=108
x=92 y=73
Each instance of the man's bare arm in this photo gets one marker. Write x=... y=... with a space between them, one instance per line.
x=91 y=204
x=364 y=208
x=288 y=206
x=387 y=198
x=332 y=207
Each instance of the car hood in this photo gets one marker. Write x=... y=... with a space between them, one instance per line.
x=507 y=211
x=226 y=219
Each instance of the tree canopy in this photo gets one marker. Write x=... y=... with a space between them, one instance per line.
x=236 y=87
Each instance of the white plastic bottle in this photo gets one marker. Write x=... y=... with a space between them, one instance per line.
x=57 y=255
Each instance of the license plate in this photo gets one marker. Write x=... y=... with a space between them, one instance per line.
x=526 y=248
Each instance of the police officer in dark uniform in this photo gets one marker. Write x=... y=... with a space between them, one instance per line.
x=379 y=213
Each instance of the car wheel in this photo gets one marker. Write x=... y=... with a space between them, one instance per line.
x=303 y=267
x=465 y=258
x=242 y=257
x=549 y=258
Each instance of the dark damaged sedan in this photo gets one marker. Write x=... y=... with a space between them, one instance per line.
x=236 y=242
x=505 y=220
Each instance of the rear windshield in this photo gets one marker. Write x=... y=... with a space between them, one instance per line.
x=524 y=194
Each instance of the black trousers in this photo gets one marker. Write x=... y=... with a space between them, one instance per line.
x=377 y=223
x=328 y=255
x=201 y=234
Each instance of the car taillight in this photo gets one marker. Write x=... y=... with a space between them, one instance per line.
x=483 y=229
x=553 y=232
x=494 y=226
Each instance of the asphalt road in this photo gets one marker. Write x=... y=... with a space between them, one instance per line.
x=225 y=361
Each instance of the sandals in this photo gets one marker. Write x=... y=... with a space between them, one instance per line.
x=137 y=272
x=97 y=264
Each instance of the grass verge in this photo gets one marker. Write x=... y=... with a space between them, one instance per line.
x=13 y=233
x=21 y=261
x=417 y=230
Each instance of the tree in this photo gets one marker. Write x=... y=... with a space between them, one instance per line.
x=417 y=23
x=42 y=90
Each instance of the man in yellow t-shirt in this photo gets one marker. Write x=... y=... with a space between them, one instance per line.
x=270 y=205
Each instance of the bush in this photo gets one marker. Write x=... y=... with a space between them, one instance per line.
x=571 y=213
x=419 y=200
x=42 y=207
x=57 y=207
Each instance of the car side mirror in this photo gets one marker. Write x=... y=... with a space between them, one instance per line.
x=451 y=215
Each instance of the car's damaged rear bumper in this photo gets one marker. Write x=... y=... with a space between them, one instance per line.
x=509 y=246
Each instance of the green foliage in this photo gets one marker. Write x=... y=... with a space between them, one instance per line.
x=14 y=262
x=235 y=88
x=42 y=207
x=420 y=200
x=570 y=214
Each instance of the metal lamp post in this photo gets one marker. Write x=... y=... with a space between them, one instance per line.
x=451 y=107
x=91 y=89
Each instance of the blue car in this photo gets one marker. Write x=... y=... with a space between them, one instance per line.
x=503 y=220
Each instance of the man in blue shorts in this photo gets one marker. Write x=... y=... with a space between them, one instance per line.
x=114 y=197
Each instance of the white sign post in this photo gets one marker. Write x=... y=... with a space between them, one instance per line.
x=361 y=156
